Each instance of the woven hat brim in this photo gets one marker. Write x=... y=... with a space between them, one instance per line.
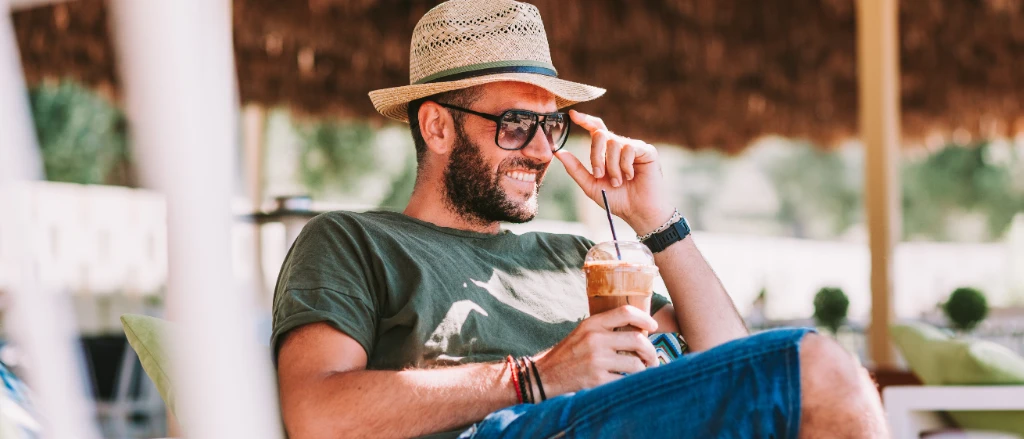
x=393 y=102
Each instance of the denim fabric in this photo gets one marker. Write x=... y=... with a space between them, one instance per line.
x=747 y=388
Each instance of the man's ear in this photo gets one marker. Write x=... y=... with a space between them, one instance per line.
x=437 y=128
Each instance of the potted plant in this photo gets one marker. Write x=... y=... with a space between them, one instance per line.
x=830 y=308
x=965 y=308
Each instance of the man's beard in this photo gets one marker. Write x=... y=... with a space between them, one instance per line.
x=474 y=191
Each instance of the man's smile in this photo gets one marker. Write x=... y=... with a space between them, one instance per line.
x=521 y=179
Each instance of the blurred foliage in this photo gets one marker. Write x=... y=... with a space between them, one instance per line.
x=699 y=176
x=830 y=308
x=82 y=136
x=815 y=185
x=818 y=187
x=401 y=186
x=957 y=180
x=966 y=308
x=335 y=155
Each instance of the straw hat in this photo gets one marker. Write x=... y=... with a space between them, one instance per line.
x=463 y=43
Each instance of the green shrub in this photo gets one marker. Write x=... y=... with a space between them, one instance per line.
x=82 y=136
x=830 y=308
x=966 y=308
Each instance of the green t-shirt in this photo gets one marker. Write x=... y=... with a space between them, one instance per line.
x=417 y=295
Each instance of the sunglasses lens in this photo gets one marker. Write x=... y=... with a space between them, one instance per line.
x=515 y=129
x=555 y=130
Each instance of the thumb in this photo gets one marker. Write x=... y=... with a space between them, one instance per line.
x=576 y=170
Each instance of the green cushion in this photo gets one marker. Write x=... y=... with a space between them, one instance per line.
x=148 y=335
x=940 y=359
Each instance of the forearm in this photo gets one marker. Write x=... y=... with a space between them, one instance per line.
x=396 y=403
x=706 y=314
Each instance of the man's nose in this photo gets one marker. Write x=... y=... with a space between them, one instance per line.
x=539 y=148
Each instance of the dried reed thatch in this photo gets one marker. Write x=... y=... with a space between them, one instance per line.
x=700 y=73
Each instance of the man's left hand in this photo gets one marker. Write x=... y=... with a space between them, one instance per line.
x=627 y=169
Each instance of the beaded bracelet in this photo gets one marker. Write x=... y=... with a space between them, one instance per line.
x=676 y=216
x=515 y=378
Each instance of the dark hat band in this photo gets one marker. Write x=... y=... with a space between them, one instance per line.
x=492 y=69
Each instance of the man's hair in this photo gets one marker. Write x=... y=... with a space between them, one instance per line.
x=460 y=98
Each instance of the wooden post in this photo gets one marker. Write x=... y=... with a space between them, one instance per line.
x=254 y=124
x=879 y=100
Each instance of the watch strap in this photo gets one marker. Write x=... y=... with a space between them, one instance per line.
x=675 y=233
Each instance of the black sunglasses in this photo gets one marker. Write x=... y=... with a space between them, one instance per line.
x=516 y=128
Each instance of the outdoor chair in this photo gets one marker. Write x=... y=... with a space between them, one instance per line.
x=979 y=383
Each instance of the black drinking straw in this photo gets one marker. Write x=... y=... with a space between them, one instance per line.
x=609 y=212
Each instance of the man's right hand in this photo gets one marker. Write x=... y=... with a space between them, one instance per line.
x=590 y=356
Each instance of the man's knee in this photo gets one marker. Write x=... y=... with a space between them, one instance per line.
x=827 y=366
x=837 y=394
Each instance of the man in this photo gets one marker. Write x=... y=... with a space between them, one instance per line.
x=396 y=325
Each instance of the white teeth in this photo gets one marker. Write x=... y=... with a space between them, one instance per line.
x=522 y=176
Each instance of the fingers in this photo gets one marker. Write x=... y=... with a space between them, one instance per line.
x=598 y=146
x=612 y=155
x=588 y=122
x=614 y=165
x=626 y=315
x=635 y=341
x=576 y=170
x=626 y=162
x=625 y=363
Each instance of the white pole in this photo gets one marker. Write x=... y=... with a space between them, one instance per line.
x=40 y=321
x=180 y=92
x=878 y=80
x=19 y=151
x=41 y=325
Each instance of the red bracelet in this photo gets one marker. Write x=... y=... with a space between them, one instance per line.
x=515 y=379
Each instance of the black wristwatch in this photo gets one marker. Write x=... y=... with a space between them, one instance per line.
x=673 y=234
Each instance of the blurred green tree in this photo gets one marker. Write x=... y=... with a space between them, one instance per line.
x=401 y=186
x=700 y=178
x=957 y=180
x=335 y=155
x=815 y=185
x=82 y=136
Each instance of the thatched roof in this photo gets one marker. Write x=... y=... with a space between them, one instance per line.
x=699 y=73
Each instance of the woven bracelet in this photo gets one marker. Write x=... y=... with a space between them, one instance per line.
x=525 y=377
x=522 y=383
x=540 y=386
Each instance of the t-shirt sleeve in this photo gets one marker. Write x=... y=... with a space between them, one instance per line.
x=327 y=278
x=658 y=301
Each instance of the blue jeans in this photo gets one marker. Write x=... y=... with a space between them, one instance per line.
x=747 y=388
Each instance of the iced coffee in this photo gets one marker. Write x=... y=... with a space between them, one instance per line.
x=620 y=273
